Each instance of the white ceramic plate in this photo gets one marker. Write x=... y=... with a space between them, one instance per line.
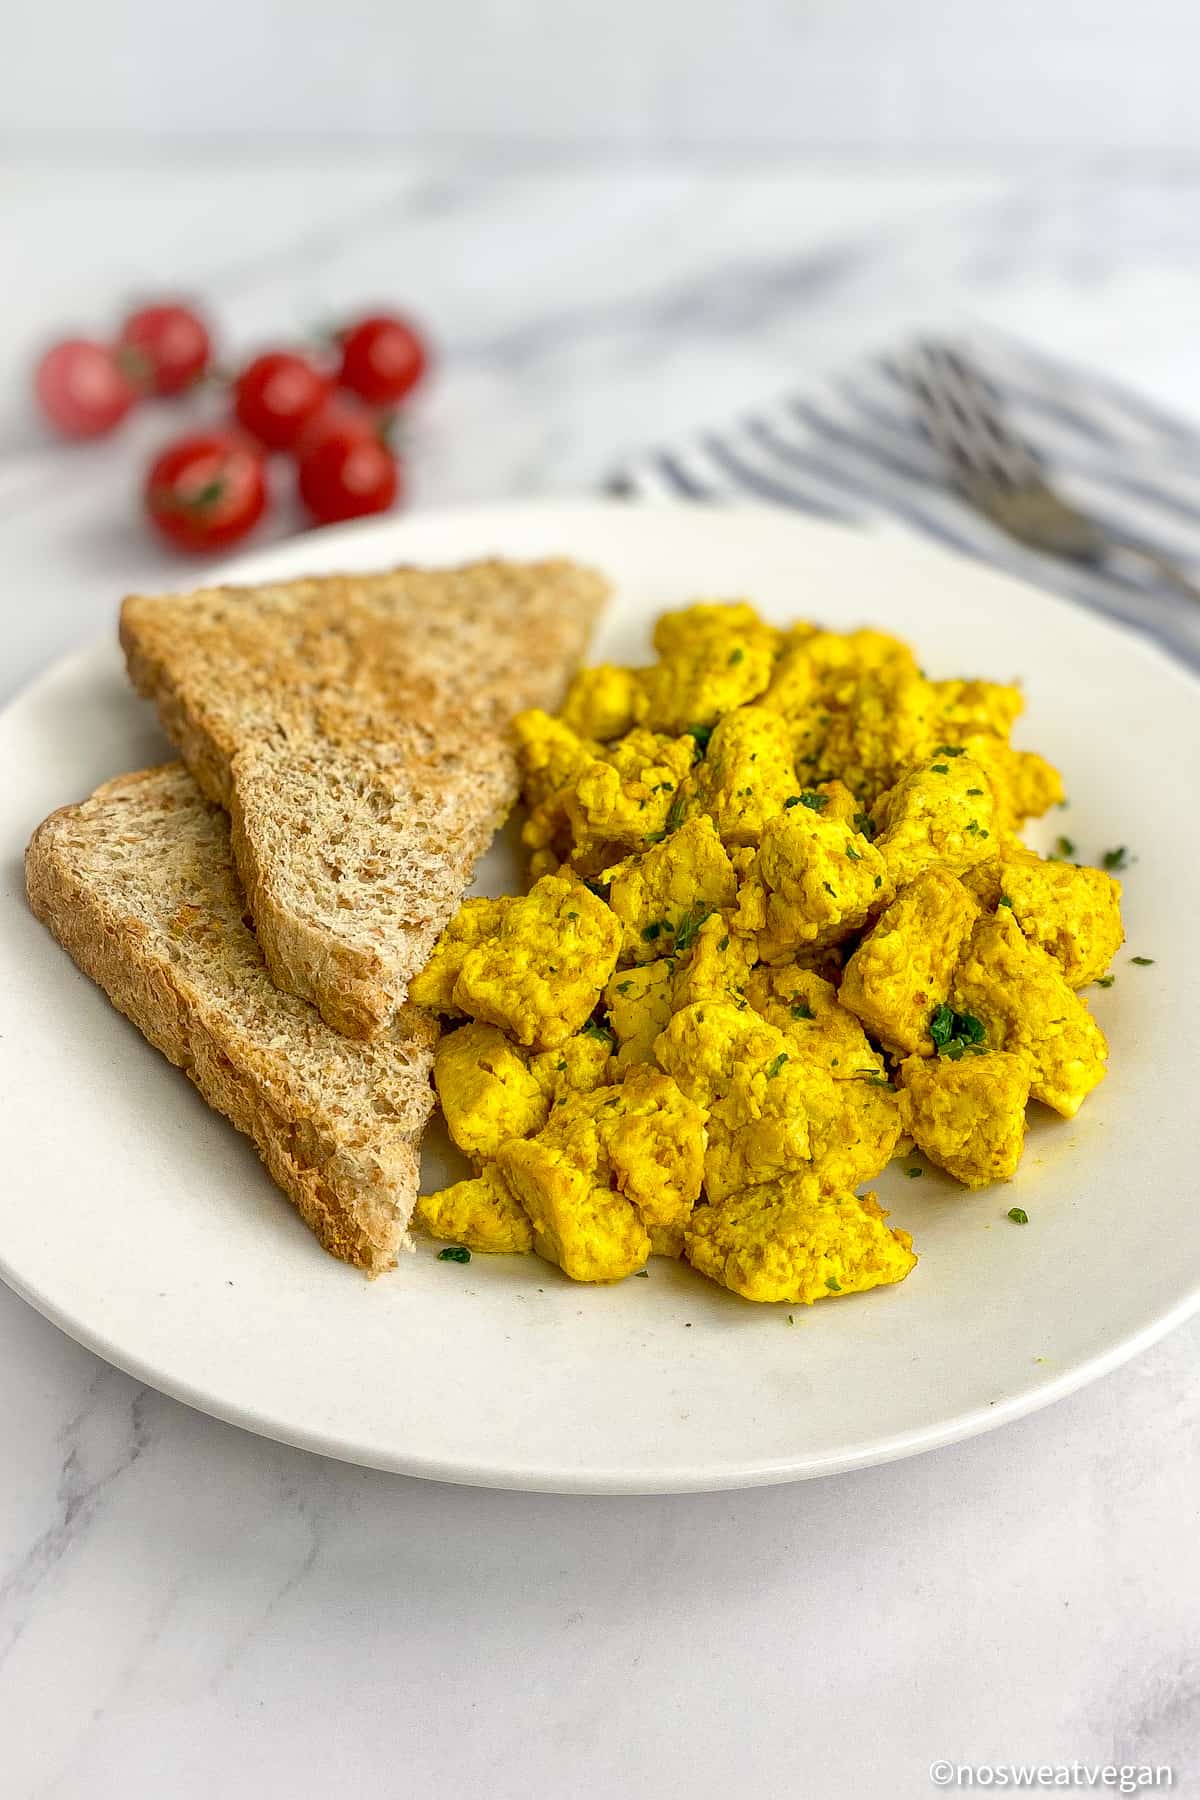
x=143 y=1225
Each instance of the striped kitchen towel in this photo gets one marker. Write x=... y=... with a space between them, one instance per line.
x=852 y=449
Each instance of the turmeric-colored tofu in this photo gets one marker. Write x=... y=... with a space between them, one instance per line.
x=716 y=967
x=542 y=970
x=770 y=1109
x=638 y=1003
x=806 y=1008
x=964 y=708
x=1019 y=994
x=1024 y=785
x=476 y=919
x=939 y=815
x=748 y=774
x=879 y=727
x=712 y=658
x=626 y=795
x=550 y=754
x=969 y=1115
x=794 y=1240
x=1072 y=913
x=611 y=1177
x=903 y=968
x=601 y=702
x=663 y=897
x=487 y=1091
x=812 y=882
x=481 y=1214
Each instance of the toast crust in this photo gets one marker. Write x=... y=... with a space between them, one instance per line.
x=137 y=884
x=356 y=729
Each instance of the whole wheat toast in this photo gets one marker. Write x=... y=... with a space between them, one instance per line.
x=138 y=884
x=356 y=729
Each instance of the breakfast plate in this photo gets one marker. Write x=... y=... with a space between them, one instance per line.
x=139 y=1222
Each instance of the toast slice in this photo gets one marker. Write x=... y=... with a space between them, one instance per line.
x=138 y=884
x=355 y=727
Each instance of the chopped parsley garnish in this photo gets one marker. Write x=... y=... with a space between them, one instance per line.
x=1018 y=1215
x=624 y=987
x=956 y=1034
x=913 y=1174
x=594 y=1029
x=724 y=943
x=1105 y=980
x=644 y=1273
x=828 y=889
x=949 y=750
x=814 y=802
x=776 y=1063
x=853 y=854
x=835 y=1287
x=1005 y=900
x=792 y=800
x=802 y=1010
x=454 y=1253
x=865 y=825
x=689 y=926
x=675 y=815
x=736 y=656
x=1143 y=962
x=1116 y=859
x=974 y=793
x=1065 y=846
x=872 y=1077
x=599 y=888
x=572 y=915
x=654 y=930
x=701 y=733
x=939 y=768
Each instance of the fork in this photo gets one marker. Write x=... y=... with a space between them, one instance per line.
x=1004 y=478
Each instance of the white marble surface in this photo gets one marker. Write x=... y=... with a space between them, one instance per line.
x=186 y=1610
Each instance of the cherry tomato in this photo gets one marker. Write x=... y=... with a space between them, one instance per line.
x=207 y=491
x=172 y=345
x=82 y=388
x=383 y=358
x=342 y=413
x=346 y=475
x=276 y=395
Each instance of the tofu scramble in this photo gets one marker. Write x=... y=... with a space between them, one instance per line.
x=780 y=928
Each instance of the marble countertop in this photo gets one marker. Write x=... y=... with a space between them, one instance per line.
x=188 y=1610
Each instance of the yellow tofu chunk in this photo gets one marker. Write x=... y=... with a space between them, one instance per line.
x=663 y=897
x=541 y=971
x=1072 y=913
x=904 y=966
x=715 y=968
x=475 y=920
x=806 y=1008
x=748 y=774
x=969 y=1115
x=964 y=708
x=550 y=754
x=939 y=815
x=638 y=1003
x=481 y=1214
x=576 y=1066
x=887 y=725
x=1024 y=785
x=712 y=658
x=1019 y=993
x=601 y=702
x=487 y=1091
x=812 y=882
x=612 y=1176
x=794 y=1241
x=628 y=794
x=770 y=1109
